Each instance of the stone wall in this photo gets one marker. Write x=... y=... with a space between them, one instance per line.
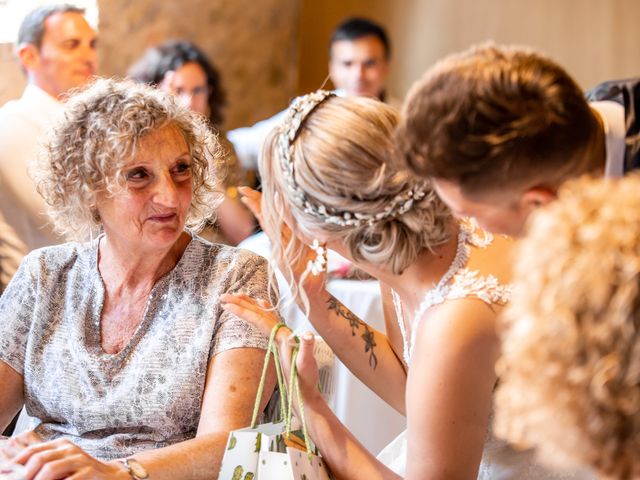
x=254 y=47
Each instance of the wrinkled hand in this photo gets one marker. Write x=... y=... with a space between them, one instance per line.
x=60 y=459
x=253 y=200
x=12 y=446
x=262 y=316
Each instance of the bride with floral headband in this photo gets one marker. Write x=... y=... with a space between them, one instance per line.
x=330 y=180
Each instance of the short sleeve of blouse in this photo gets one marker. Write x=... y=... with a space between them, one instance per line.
x=251 y=279
x=16 y=314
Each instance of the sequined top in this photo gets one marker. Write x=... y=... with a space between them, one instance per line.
x=149 y=394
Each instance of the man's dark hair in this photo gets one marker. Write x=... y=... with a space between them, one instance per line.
x=32 y=27
x=157 y=61
x=493 y=118
x=354 y=28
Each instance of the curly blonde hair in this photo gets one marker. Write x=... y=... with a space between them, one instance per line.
x=343 y=158
x=570 y=369
x=101 y=129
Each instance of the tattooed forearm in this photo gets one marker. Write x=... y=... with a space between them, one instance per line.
x=336 y=306
x=355 y=323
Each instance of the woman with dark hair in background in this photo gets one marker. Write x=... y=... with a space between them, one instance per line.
x=181 y=68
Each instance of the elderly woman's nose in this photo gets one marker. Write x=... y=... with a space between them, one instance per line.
x=166 y=191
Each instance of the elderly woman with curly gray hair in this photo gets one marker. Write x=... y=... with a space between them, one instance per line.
x=118 y=345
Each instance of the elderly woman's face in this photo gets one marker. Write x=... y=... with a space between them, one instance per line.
x=151 y=211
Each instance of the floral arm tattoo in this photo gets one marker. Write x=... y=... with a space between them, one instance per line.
x=355 y=323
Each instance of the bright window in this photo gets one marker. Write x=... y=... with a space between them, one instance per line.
x=13 y=11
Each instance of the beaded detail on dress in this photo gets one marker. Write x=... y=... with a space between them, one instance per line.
x=458 y=282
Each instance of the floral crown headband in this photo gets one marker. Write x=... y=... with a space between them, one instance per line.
x=298 y=111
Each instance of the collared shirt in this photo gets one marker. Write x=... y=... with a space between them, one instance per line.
x=612 y=115
x=24 y=224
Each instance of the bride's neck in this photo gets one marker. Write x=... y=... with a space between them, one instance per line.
x=424 y=273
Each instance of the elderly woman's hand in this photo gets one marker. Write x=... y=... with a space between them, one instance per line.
x=60 y=459
x=12 y=446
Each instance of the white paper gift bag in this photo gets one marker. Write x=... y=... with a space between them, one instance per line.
x=273 y=451
x=243 y=449
x=294 y=464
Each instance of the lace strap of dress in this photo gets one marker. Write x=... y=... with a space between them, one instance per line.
x=457 y=282
x=474 y=235
x=466 y=284
x=469 y=283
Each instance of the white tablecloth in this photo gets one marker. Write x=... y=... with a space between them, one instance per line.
x=367 y=416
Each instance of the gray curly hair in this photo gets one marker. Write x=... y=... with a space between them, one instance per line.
x=101 y=128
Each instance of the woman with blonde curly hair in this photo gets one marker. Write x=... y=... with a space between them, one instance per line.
x=118 y=346
x=330 y=179
x=570 y=371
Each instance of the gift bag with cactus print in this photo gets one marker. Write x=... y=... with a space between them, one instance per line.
x=273 y=451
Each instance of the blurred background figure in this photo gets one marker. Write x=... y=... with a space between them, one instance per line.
x=181 y=68
x=56 y=48
x=570 y=370
x=359 y=56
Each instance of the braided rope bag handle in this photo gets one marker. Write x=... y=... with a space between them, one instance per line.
x=294 y=386
x=272 y=349
x=286 y=405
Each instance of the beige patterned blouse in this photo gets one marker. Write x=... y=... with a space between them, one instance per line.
x=149 y=394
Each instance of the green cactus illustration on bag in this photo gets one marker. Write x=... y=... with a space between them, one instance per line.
x=258 y=441
x=237 y=473
x=249 y=476
x=232 y=442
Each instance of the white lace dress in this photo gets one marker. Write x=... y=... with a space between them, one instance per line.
x=499 y=461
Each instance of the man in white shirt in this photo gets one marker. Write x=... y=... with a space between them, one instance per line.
x=57 y=50
x=359 y=58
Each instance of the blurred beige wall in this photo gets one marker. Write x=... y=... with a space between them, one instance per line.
x=11 y=77
x=594 y=39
